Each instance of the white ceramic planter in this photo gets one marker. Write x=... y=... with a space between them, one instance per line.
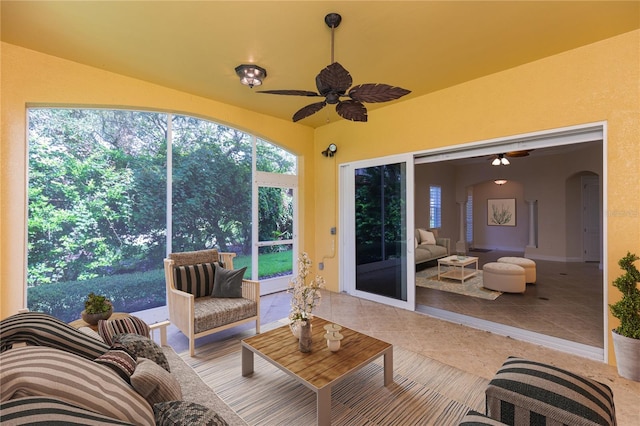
x=627 y=352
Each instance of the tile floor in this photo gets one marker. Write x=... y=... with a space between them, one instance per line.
x=566 y=302
x=471 y=350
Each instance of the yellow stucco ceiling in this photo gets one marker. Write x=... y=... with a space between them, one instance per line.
x=423 y=46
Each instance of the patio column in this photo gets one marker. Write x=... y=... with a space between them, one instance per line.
x=532 y=223
x=461 y=245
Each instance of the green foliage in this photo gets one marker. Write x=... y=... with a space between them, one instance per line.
x=128 y=293
x=97 y=201
x=380 y=204
x=96 y=304
x=627 y=309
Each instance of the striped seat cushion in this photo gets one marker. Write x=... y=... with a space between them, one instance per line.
x=212 y=312
x=108 y=329
x=46 y=372
x=525 y=392
x=195 y=279
x=39 y=329
x=37 y=410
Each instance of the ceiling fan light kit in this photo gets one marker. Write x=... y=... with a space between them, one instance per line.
x=251 y=75
x=500 y=160
x=333 y=83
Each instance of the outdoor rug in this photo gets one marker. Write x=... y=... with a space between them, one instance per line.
x=424 y=392
x=428 y=278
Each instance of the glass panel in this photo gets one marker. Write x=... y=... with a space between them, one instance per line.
x=380 y=221
x=96 y=209
x=275 y=261
x=275 y=214
x=271 y=158
x=211 y=187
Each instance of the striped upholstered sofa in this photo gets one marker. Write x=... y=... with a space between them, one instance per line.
x=52 y=373
x=525 y=392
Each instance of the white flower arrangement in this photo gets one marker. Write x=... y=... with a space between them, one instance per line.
x=305 y=296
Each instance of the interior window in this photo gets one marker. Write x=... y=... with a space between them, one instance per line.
x=435 y=206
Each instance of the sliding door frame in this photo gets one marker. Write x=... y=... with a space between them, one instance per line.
x=347 y=225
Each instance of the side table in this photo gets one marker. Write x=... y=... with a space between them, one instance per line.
x=158 y=326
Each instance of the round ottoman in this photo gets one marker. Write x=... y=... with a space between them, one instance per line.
x=505 y=277
x=528 y=265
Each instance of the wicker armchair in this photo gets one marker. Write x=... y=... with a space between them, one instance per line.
x=191 y=307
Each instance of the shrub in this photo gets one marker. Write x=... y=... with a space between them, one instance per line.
x=127 y=292
x=627 y=309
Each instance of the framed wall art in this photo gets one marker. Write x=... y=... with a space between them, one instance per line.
x=501 y=212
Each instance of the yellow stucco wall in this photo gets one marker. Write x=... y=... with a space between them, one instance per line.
x=31 y=78
x=599 y=82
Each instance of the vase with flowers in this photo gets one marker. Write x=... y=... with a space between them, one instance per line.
x=304 y=297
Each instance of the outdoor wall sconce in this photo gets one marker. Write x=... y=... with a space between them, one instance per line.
x=251 y=75
x=330 y=151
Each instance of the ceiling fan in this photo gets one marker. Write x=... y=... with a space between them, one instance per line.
x=334 y=81
x=501 y=159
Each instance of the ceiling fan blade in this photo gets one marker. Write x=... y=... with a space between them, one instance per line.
x=289 y=92
x=333 y=78
x=304 y=112
x=352 y=110
x=376 y=92
x=515 y=154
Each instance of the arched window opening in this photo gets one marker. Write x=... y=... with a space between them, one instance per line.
x=112 y=191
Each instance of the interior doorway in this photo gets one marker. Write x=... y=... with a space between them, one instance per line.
x=554 y=151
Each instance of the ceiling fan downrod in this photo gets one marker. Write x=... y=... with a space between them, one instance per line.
x=333 y=21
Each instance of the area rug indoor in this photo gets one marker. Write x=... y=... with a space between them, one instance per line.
x=424 y=392
x=428 y=278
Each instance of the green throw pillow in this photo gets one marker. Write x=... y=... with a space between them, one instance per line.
x=227 y=282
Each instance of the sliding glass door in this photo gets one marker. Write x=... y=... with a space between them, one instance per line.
x=377 y=240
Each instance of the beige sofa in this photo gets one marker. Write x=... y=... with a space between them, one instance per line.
x=425 y=250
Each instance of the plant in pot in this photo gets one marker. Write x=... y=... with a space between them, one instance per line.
x=626 y=337
x=96 y=308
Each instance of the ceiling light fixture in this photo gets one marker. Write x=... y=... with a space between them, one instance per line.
x=500 y=181
x=330 y=151
x=500 y=160
x=251 y=75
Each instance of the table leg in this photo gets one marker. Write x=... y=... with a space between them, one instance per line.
x=247 y=361
x=388 y=367
x=323 y=406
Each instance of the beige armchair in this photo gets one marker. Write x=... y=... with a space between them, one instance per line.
x=189 y=279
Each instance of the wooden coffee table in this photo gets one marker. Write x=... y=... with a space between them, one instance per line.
x=320 y=369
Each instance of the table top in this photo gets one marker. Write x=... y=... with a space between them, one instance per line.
x=320 y=367
x=453 y=260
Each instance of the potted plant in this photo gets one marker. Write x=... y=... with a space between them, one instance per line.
x=96 y=308
x=626 y=337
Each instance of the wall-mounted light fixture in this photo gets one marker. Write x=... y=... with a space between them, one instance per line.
x=500 y=181
x=500 y=160
x=330 y=151
x=251 y=75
